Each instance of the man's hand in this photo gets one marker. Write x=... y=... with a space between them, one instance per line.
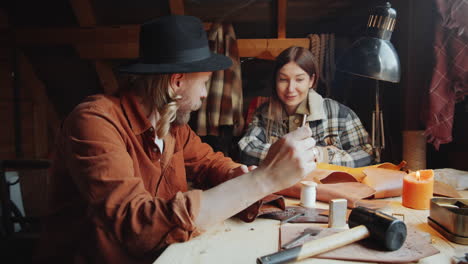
x=290 y=159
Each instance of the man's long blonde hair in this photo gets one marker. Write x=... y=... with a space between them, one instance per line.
x=156 y=94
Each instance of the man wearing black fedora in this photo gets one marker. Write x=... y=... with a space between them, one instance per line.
x=119 y=178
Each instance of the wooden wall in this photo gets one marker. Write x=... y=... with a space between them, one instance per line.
x=64 y=58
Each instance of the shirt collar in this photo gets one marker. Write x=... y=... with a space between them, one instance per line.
x=134 y=112
x=315 y=109
x=312 y=107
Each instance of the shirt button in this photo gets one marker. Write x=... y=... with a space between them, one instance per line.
x=151 y=129
x=296 y=121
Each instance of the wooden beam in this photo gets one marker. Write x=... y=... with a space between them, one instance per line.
x=282 y=10
x=3 y=19
x=121 y=42
x=84 y=12
x=106 y=76
x=42 y=121
x=73 y=35
x=268 y=48
x=177 y=7
x=108 y=50
x=5 y=40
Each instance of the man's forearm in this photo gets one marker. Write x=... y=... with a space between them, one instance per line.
x=231 y=197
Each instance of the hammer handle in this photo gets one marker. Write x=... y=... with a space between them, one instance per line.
x=317 y=246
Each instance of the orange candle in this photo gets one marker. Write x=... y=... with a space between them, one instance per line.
x=417 y=189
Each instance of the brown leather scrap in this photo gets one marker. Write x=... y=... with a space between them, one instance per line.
x=269 y=204
x=387 y=183
x=309 y=215
x=443 y=189
x=354 y=184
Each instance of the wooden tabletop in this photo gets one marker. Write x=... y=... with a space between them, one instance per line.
x=234 y=241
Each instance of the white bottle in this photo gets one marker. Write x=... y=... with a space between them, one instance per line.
x=308 y=194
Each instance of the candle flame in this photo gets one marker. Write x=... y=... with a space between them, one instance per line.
x=418 y=175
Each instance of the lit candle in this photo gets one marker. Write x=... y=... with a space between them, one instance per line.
x=417 y=189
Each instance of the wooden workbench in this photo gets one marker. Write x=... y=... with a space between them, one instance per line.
x=237 y=242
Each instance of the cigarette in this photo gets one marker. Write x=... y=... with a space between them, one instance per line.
x=304 y=120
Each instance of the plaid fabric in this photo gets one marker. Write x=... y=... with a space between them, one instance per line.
x=340 y=127
x=223 y=105
x=450 y=77
x=323 y=48
x=253 y=106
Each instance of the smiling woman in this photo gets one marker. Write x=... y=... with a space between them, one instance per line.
x=340 y=135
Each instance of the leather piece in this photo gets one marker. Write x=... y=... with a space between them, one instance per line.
x=416 y=246
x=385 y=182
x=351 y=191
x=358 y=173
x=329 y=176
x=269 y=204
x=443 y=189
x=311 y=215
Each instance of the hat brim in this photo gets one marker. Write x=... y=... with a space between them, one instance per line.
x=215 y=62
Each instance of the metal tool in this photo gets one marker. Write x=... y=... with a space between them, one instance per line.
x=449 y=216
x=300 y=239
x=310 y=215
x=383 y=229
x=292 y=218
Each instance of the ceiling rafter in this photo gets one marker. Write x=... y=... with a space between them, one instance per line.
x=84 y=12
x=177 y=7
x=282 y=6
x=121 y=42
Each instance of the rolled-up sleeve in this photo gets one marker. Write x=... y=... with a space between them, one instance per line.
x=205 y=167
x=117 y=201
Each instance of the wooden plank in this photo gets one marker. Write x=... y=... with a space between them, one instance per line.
x=107 y=77
x=260 y=48
x=75 y=35
x=33 y=86
x=6 y=80
x=84 y=12
x=177 y=7
x=282 y=10
x=3 y=19
x=108 y=50
x=122 y=42
x=268 y=48
x=7 y=137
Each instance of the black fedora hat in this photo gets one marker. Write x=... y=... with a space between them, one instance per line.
x=175 y=44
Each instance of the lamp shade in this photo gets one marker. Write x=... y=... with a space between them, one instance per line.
x=373 y=56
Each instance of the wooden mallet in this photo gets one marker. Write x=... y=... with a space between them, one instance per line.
x=386 y=231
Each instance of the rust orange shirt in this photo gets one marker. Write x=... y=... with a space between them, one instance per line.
x=115 y=198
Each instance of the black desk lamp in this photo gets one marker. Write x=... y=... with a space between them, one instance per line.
x=373 y=56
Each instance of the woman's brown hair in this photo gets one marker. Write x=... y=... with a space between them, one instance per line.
x=307 y=62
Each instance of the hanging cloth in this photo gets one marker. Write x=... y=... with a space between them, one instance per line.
x=322 y=47
x=223 y=105
x=450 y=77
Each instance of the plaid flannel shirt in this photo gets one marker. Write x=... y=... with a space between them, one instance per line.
x=332 y=124
x=449 y=83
